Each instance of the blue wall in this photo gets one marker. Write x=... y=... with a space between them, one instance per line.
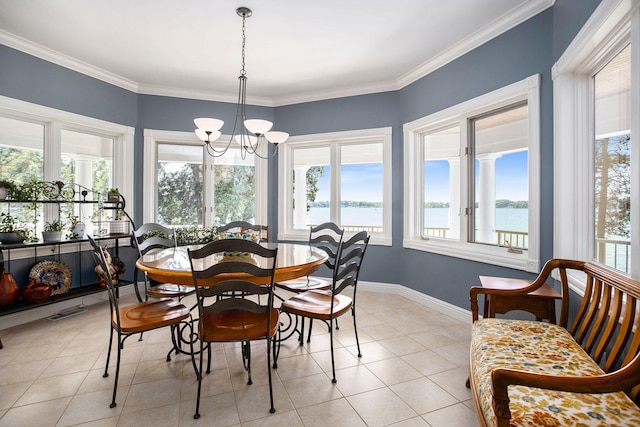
x=530 y=48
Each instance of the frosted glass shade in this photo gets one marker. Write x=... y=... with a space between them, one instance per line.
x=202 y=134
x=258 y=126
x=208 y=124
x=276 y=137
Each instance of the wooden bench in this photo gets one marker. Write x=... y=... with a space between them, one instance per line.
x=533 y=373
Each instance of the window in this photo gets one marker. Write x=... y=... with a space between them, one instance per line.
x=471 y=179
x=338 y=177
x=216 y=190
x=597 y=172
x=42 y=143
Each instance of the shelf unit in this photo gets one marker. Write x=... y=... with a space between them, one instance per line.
x=67 y=194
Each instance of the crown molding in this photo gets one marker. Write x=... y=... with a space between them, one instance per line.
x=202 y=95
x=58 y=58
x=506 y=22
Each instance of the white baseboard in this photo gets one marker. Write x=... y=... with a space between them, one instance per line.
x=45 y=311
x=424 y=299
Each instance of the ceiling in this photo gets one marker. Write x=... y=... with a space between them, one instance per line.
x=296 y=51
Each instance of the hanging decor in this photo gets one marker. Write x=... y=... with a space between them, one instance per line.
x=248 y=134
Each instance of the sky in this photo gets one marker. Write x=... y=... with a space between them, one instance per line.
x=364 y=182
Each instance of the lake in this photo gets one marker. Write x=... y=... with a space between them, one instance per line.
x=506 y=219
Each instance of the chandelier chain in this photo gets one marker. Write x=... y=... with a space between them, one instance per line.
x=244 y=41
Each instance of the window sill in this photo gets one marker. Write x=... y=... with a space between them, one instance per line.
x=474 y=252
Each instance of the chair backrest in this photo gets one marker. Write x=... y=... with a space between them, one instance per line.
x=327 y=236
x=101 y=261
x=226 y=272
x=153 y=236
x=349 y=261
x=241 y=226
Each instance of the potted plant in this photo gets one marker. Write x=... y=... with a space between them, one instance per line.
x=113 y=195
x=7 y=188
x=53 y=231
x=8 y=232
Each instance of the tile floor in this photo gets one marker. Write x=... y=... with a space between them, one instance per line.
x=412 y=373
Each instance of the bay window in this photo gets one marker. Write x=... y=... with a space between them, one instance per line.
x=472 y=179
x=342 y=177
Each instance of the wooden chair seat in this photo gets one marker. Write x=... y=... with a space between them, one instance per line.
x=170 y=290
x=236 y=325
x=317 y=304
x=149 y=315
x=304 y=284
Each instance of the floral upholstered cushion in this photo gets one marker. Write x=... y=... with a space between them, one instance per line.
x=545 y=348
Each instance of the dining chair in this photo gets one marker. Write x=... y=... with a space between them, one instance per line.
x=229 y=276
x=134 y=318
x=326 y=236
x=332 y=303
x=152 y=236
x=262 y=231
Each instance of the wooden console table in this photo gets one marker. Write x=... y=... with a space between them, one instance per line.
x=540 y=303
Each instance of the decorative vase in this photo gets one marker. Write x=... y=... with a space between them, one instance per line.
x=52 y=236
x=78 y=230
x=9 y=289
x=11 y=237
x=36 y=292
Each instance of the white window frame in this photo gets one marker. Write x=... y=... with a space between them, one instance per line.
x=614 y=24
x=334 y=140
x=527 y=89
x=154 y=137
x=55 y=120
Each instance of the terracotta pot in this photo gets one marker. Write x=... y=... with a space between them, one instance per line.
x=9 y=289
x=36 y=292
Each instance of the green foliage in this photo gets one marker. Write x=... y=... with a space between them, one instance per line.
x=234 y=194
x=314 y=173
x=509 y=204
x=176 y=191
x=613 y=187
x=55 y=225
x=7 y=223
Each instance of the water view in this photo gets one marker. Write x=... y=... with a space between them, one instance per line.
x=506 y=218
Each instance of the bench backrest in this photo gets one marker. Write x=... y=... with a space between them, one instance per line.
x=606 y=323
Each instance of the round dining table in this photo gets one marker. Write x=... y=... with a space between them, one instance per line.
x=172 y=265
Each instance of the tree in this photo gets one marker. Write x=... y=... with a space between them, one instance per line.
x=613 y=187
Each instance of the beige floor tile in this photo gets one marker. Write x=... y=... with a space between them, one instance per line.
x=9 y=394
x=357 y=379
x=456 y=353
x=217 y=382
x=453 y=382
x=278 y=419
x=51 y=388
x=70 y=364
x=91 y=406
x=393 y=371
x=253 y=403
x=154 y=394
x=311 y=390
x=423 y=395
x=343 y=358
x=429 y=363
x=458 y=415
x=380 y=407
x=165 y=416
x=402 y=345
x=215 y=411
x=371 y=352
x=336 y=412
x=42 y=414
x=297 y=366
x=11 y=374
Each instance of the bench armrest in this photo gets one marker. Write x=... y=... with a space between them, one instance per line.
x=543 y=276
x=623 y=379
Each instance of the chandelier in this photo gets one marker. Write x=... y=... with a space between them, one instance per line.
x=247 y=133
